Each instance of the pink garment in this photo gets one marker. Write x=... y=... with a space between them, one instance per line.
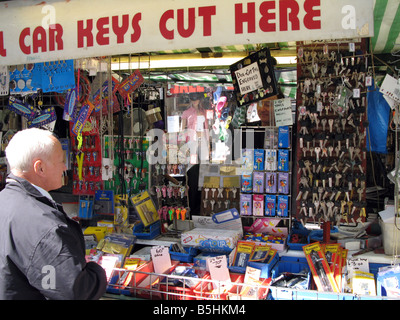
x=190 y=115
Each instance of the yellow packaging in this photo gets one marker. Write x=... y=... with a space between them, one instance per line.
x=363 y=283
x=98 y=232
x=145 y=208
x=108 y=224
x=121 y=210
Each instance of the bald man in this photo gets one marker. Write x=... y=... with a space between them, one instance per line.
x=42 y=251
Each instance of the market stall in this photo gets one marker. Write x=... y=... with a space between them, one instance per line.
x=251 y=180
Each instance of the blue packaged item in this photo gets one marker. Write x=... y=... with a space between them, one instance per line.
x=282 y=205
x=246 y=183
x=283 y=137
x=259 y=158
x=85 y=209
x=270 y=205
x=283 y=160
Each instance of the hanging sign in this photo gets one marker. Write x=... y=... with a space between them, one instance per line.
x=254 y=78
x=38 y=31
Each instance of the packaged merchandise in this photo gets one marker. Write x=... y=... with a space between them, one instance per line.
x=259 y=158
x=246 y=183
x=283 y=160
x=244 y=250
x=322 y=274
x=145 y=207
x=270 y=182
x=282 y=205
x=258 y=205
x=283 y=182
x=270 y=205
x=270 y=160
x=283 y=137
x=260 y=252
x=258 y=182
x=248 y=159
x=211 y=240
x=246 y=202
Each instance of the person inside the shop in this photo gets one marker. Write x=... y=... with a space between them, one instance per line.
x=42 y=253
x=265 y=109
x=194 y=125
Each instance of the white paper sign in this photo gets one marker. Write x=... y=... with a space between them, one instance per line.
x=173 y=123
x=249 y=78
x=391 y=88
x=359 y=264
x=161 y=259
x=283 y=112
x=218 y=268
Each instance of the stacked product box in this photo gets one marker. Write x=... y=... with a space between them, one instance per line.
x=265 y=180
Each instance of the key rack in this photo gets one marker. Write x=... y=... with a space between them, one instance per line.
x=331 y=129
x=134 y=173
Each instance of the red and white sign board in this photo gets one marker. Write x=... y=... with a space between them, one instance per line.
x=39 y=31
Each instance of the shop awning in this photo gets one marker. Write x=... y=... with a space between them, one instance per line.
x=386 y=26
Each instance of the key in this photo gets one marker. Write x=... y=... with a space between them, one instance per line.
x=158 y=191
x=227 y=192
x=320 y=191
x=220 y=191
x=182 y=191
x=330 y=123
x=307 y=163
x=234 y=191
x=343 y=122
x=206 y=190
x=226 y=202
x=205 y=203
x=317 y=150
x=360 y=192
x=305 y=193
x=212 y=202
x=301 y=190
x=330 y=150
x=304 y=182
x=323 y=123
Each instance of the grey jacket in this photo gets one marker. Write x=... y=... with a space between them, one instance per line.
x=42 y=251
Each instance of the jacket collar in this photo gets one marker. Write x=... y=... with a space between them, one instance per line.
x=33 y=191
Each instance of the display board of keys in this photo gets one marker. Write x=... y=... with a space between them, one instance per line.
x=331 y=132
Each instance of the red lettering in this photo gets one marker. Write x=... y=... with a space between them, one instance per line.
x=24 y=48
x=136 y=28
x=101 y=37
x=309 y=21
x=120 y=31
x=241 y=17
x=3 y=51
x=85 y=33
x=39 y=40
x=285 y=16
x=266 y=16
x=206 y=13
x=55 y=37
x=167 y=34
x=185 y=33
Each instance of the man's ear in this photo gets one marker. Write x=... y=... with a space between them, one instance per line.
x=38 y=167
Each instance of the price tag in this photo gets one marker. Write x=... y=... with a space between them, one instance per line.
x=359 y=264
x=252 y=274
x=218 y=269
x=161 y=259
